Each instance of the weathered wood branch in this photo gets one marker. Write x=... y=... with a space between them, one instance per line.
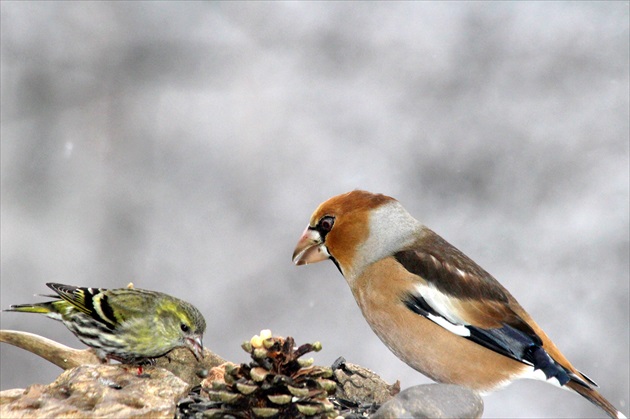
x=61 y=355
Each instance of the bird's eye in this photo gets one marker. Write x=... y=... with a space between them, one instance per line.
x=185 y=328
x=326 y=224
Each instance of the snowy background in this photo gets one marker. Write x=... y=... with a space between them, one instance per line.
x=184 y=146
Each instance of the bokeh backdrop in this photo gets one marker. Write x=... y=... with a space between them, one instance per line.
x=183 y=146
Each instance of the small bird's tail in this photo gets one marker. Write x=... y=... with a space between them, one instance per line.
x=51 y=308
x=597 y=399
x=43 y=308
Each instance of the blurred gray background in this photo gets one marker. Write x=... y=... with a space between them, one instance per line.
x=184 y=146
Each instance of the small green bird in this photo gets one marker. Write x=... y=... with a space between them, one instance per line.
x=130 y=325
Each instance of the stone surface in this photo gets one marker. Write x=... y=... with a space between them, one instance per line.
x=91 y=391
x=183 y=364
x=433 y=401
x=89 y=388
x=360 y=385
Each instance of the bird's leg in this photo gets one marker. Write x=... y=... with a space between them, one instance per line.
x=141 y=363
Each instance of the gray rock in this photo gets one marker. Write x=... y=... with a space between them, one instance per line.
x=433 y=401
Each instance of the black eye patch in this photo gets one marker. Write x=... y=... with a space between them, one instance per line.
x=325 y=224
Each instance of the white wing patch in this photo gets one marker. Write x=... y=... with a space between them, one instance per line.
x=458 y=329
x=442 y=304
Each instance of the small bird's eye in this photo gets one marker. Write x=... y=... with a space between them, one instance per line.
x=326 y=224
x=185 y=328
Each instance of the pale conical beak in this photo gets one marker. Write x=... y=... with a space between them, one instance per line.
x=195 y=345
x=310 y=248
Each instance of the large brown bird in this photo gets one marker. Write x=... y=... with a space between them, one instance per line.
x=434 y=307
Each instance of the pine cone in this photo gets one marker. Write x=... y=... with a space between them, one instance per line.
x=277 y=383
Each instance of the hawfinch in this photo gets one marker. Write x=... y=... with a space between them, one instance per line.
x=431 y=304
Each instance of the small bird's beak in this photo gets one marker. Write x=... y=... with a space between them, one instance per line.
x=195 y=345
x=310 y=248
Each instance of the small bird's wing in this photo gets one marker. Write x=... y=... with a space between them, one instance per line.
x=80 y=298
x=93 y=302
x=454 y=292
x=127 y=304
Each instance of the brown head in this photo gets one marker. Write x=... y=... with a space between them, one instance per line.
x=354 y=229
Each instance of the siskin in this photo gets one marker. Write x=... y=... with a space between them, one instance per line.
x=129 y=325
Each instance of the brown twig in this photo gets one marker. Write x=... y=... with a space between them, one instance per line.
x=60 y=355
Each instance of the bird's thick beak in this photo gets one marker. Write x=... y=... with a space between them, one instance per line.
x=195 y=345
x=310 y=248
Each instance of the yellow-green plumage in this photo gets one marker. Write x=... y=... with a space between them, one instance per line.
x=128 y=324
